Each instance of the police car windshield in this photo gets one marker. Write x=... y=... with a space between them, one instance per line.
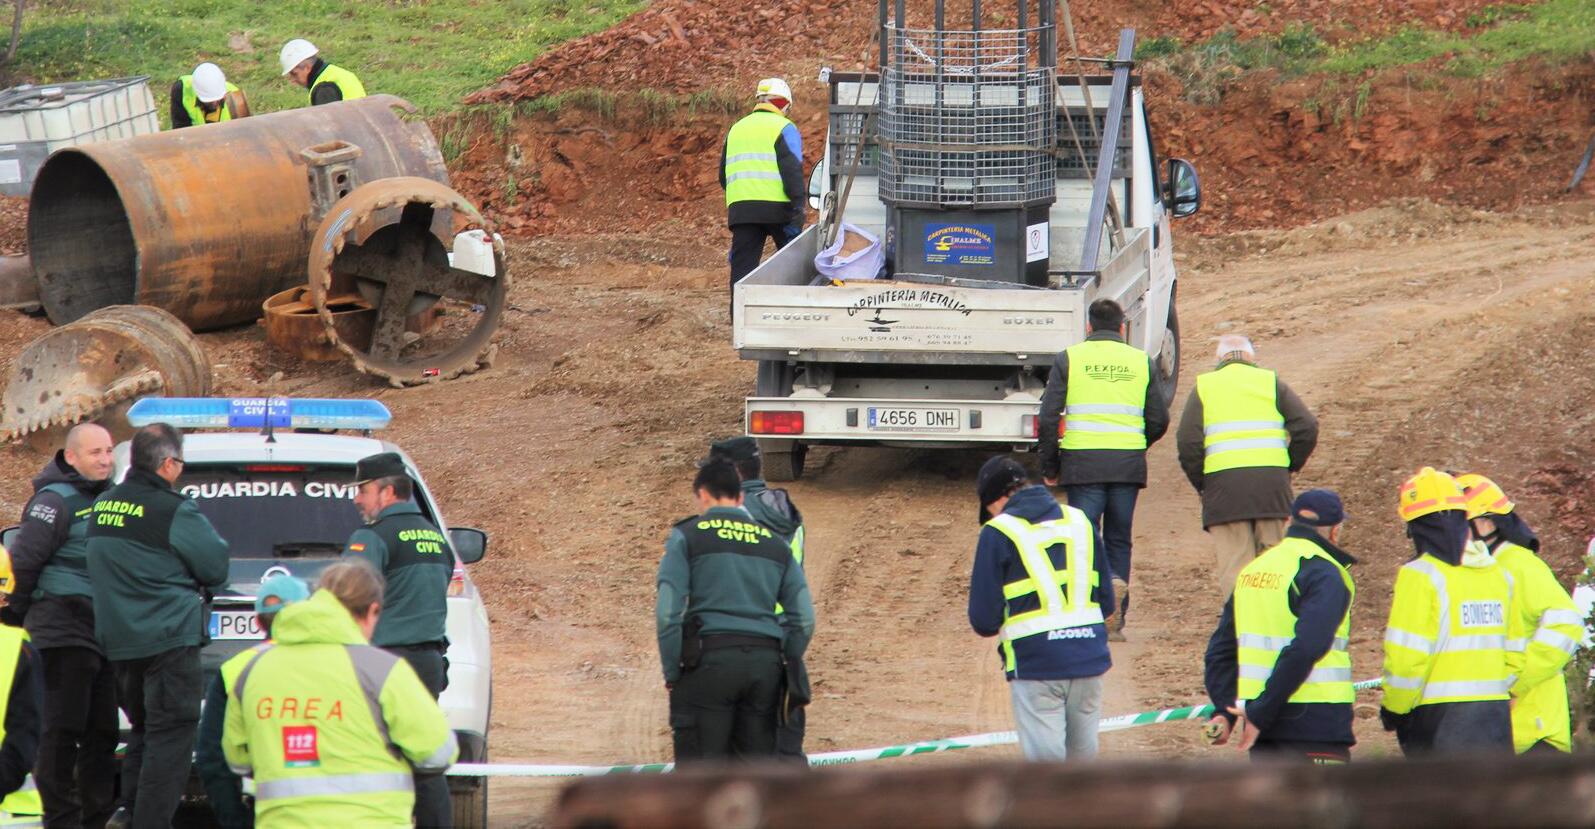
x=289 y=516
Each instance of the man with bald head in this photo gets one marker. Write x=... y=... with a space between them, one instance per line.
x=53 y=600
x=1242 y=435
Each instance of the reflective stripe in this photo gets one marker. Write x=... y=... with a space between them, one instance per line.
x=752 y=174
x=1409 y=640
x=1089 y=426
x=1247 y=443
x=1278 y=643
x=20 y=821
x=751 y=157
x=1561 y=617
x=442 y=758
x=1404 y=683
x=372 y=666
x=1482 y=642
x=249 y=667
x=242 y=771
x=1466 y=688
x=1517 y=645
x=28 y=784
x=1104 y=408
x=1242 y=426
x=340 y=784
x=1057 y=611
x=1260 y=673
x=1051 y=622
x=1546 y=636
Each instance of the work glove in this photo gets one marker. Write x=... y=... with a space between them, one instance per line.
x=1391 y=720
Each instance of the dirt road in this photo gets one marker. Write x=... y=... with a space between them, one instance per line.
x=1403 y=327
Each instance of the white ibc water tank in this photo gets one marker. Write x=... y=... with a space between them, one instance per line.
x=37 y=120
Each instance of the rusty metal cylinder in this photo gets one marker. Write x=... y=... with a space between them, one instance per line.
x=205 y=222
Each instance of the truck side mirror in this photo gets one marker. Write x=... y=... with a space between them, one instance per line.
x=8 y=536
x=469 y=544
x=1182 y=188
x=815 y=182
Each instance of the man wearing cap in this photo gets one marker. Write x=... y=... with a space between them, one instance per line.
x=775 y=510
x=53 y=599
x=1241 y=437
x=417 y=562
x=722 y=645
x=223 y=789
x=1041 y=584
x=1278 y=660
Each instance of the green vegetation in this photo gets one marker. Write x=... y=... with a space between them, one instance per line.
x=430 y=52
x=1554 y=30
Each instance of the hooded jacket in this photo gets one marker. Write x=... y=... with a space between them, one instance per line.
x=1084 y=653
x=53 y=621
x=319 y=677
x=774 y=509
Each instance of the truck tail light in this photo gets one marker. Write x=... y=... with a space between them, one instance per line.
x=776 y=423
x=1031 y=425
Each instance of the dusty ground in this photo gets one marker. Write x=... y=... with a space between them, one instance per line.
x=1420 y=334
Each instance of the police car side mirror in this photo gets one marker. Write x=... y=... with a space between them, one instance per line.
x=469 y=544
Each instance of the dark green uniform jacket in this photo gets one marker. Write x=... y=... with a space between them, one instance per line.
x=50 y=559
x=730 y=572
x=151 y=553
x=417 y=561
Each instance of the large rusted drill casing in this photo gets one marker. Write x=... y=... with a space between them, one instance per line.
x=205 y=222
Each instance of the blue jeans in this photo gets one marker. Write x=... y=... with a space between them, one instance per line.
x=1111 y=509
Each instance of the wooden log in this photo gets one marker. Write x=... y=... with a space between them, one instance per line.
x=1460 y=791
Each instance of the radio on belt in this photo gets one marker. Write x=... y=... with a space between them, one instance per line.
x=258 y=412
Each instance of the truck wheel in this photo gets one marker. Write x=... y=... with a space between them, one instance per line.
x=470 y=805
x=1167 y=363
x=782 y=460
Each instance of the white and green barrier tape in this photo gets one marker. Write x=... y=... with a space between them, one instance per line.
x=860 y=755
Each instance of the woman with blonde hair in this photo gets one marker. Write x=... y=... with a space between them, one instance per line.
x=330 y=727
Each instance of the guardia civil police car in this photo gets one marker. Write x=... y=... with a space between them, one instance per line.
x=276 y=478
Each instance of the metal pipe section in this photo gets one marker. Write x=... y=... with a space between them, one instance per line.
x=205 y=222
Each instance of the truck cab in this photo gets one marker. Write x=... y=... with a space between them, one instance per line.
x=928 y=360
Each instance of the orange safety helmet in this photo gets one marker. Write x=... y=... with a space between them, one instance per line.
x=1483 y=496
x=1427 y=492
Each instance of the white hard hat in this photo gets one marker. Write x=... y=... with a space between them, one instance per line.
x=294 y=52
x=210 y=85
x=774 y=88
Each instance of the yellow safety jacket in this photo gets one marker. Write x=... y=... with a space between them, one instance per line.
x=752 y=173
x=1264 y=625
x=1241 y=422
x=22 y=807
x=1554 y=627
x=1105 y=404
x=1446 y=640
x=330 y=728
x=348 y=85
x=197 y=115
x=1065 y=582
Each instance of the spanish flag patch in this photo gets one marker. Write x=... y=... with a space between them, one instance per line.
x=357 y=548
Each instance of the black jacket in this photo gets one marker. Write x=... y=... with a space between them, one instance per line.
x=55 y=621
x=23 y=714
x=1319 y=600
x=1095 y=466
x=1252 y=492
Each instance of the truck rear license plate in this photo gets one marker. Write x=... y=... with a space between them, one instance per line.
x=235 y=624
x=902 y=419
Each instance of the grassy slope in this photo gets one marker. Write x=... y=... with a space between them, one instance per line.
x=431 y=52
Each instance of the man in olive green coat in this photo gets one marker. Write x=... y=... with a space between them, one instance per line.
x=152 y=558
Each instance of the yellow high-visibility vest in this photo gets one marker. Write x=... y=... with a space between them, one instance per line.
x=1264 y=625
x=22 y=807
x=198 y=116
x=348 y=85
x=752 y=173
x=1446 y=640
x=1106 y=400
x=1241 y=422
x=1065 y=590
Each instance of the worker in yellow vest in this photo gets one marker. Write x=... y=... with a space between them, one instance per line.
x=1551 y=623
x=761 y=170
x=223 y=789
x=301 y=62
x=1101 y=389
x=21 y=711
x=1278 y=662
x=1241 y=437
x=206 y=97
x=1447 y=667
x=331 y=728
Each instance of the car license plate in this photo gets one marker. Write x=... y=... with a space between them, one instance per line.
x=906 y=419
x=235 y=624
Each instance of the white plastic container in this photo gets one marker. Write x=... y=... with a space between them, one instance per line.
x=36 y=120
